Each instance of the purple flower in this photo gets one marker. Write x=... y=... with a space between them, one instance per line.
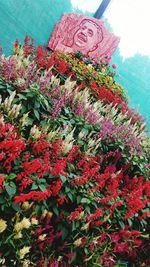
x=8 y=68
x=58 y=104
x=92 y=115
x=79 y=108
x=107 y=127
x=30 y=74
x=44 y=82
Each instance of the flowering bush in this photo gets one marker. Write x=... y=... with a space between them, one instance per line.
x=74 y=165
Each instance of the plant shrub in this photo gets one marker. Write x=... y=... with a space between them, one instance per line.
x=74 y=164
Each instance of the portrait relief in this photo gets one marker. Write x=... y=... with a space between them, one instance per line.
x=86 y=34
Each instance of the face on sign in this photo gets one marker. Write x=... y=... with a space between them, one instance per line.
x=88 y=35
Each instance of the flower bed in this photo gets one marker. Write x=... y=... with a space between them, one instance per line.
x=74 y=164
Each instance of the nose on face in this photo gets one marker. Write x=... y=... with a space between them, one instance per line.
x=87 y=32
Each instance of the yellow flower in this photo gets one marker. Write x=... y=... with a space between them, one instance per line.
x=109 y=79
x=35 y=132
x=34 y=221
x=23 y=120
x=26 y=205
x=25 y=223
x=18 y=227
x=45 y=213
x=49 y=214
x=3 y=225
x=42 y=237
x=81 y=215
x=78 y=242
x=103 y=70
x=26 y=263
x=90 y=67
x=18 y=235
x=85 y=227
x=68 y=142
x=23 y=252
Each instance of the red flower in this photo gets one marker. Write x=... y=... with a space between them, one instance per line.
x=61 y=200
x=32 y=195
x=1 y=181
x=114 y=66
x=56 y=186
x=98 y=213
x=16 y=44
x=28 y=47
x=59 y=167
x=41 y=57
x=62 y=66
x=74 y=215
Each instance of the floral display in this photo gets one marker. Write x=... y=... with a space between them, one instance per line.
x=74 y=164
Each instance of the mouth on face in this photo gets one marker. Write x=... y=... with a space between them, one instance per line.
x=82 y=37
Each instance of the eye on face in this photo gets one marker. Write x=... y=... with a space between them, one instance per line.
x=89 y=31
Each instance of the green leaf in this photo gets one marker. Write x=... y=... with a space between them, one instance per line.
x=64 y=232
x=70 y=196
x=130 y=222
x=86 y=251
x=2 y=200
x=30 y=121
x=16 y=207
x=36 y=113
x=63 y=178
x=11 y=189
x=21 y=96
x=121 y=224
x=71 y=167
x=34 y=186
x=79 y=199
x=42 y=187
x=67 y=189
x=73 y=226
x=55 y=210
x=66 y=111
x=85 y=200
x=36 y=105
x=12 y=176
x=88 y=209
x=41 y=181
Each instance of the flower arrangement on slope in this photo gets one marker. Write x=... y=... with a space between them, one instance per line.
x=74 y=170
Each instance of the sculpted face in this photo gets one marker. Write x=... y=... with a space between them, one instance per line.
x=87 y=35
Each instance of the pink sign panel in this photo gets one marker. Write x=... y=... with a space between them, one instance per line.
x=86 y=34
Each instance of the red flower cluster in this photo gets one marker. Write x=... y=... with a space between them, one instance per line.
x=1 y=181
x=41 y=57
x=10 y=146
x=106 y=94
x=28 y=46
x=75 y=215
x=33 y=195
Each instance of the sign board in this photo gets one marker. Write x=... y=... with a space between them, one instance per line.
x=85 y=34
